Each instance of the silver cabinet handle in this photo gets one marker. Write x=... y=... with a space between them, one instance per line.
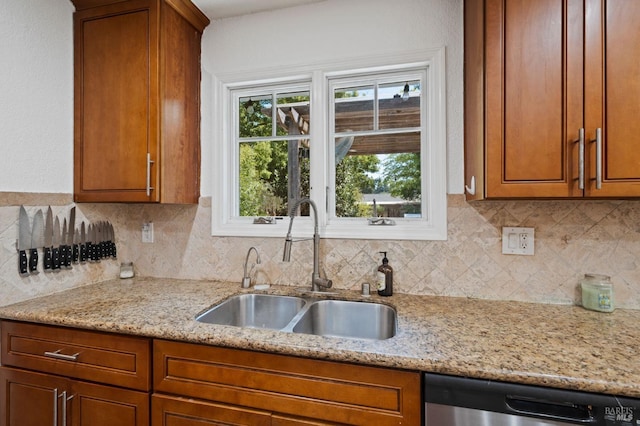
x=471 y=190
x=598 y=158
x=581 y=159
x=58 y=355
x=55 y=407
x=65 y=400
x=149 y=163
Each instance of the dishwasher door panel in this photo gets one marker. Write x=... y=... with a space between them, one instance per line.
x=448 y=415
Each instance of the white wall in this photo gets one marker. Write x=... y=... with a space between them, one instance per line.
x=333 y=30
x=36 y=96
x=36 y=76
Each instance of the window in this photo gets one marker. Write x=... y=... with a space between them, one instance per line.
x=273 y=144
x=367 y=144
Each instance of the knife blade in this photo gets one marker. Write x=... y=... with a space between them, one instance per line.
x=72 y=238
x=55 y=251
x=24 y=240
x=37 y=240
x=48 y=241
x=83 y=243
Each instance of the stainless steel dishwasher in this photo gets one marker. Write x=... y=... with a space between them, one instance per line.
x=459 y=401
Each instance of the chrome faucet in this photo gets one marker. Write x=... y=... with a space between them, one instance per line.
x=316 y=282
x=246 y=279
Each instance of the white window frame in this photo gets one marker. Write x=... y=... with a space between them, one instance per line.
x=433 y=225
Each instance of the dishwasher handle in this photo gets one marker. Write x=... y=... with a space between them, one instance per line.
x=552 y=410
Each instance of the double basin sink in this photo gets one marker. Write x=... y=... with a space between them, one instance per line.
x=308 y=315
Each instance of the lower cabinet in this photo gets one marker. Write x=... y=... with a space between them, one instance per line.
x=69 y=377
x=35 y=399
x=220 y=384
x=65 y=377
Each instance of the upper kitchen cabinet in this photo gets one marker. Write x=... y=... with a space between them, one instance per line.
x=551 y=98
x=137 y=101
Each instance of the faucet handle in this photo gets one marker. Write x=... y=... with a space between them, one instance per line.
x=322 y=282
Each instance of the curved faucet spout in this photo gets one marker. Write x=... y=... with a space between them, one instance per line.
x=246 y=279
x=316 y=281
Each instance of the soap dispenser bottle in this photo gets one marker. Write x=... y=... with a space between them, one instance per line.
x=385 y=277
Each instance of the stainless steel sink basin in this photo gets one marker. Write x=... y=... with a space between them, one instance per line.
x=341 y=318
x=309 y=315
x=255 y=311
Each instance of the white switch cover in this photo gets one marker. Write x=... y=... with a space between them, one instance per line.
x=147 y=232
x=517 y=241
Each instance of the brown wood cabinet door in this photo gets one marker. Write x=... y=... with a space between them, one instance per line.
x=35 y=399
x=97 y=405
x=534 y=102
x=612 y=93
x=29 y=399
x=172 y=411
x=116 y=111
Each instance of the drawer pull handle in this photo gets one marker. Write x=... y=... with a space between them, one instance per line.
x=58 y=355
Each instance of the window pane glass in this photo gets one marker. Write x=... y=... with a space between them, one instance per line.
x=293 y=113
x=270 y=172
x=354 y=109
x=377 y=162
x=399 y=105
x=255 y=116
x=384 y=168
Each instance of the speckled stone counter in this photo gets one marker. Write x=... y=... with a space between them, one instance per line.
x=558 y=346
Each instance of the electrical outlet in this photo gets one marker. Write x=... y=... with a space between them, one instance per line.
x=517 y=241
x=147 y=232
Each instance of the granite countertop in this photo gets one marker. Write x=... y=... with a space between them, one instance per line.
x=558 y=346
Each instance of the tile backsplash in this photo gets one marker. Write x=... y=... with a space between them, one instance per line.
x=571 y=238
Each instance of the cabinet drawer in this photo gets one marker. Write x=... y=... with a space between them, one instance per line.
x=90 y=355
x=315 y=389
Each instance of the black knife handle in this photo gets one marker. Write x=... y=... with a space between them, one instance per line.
x=83 y=252
x=33 y=261
x=75 y=253
x=91 y=252
x=22 y=262
x=66 y=260
x=55 y=259
x=48 y=260
x=62 y=255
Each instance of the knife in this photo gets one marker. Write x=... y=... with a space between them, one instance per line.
x=91 y=256
x=112 y=241
x=55 y=256
x=37 y=240
x=83 y=243
x=63 y=244
x=24 y=240
x=71 y=238
x=101 y=241
x=48 y=241
x=97 y=245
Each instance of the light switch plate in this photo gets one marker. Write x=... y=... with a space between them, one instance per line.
x=517 y=240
